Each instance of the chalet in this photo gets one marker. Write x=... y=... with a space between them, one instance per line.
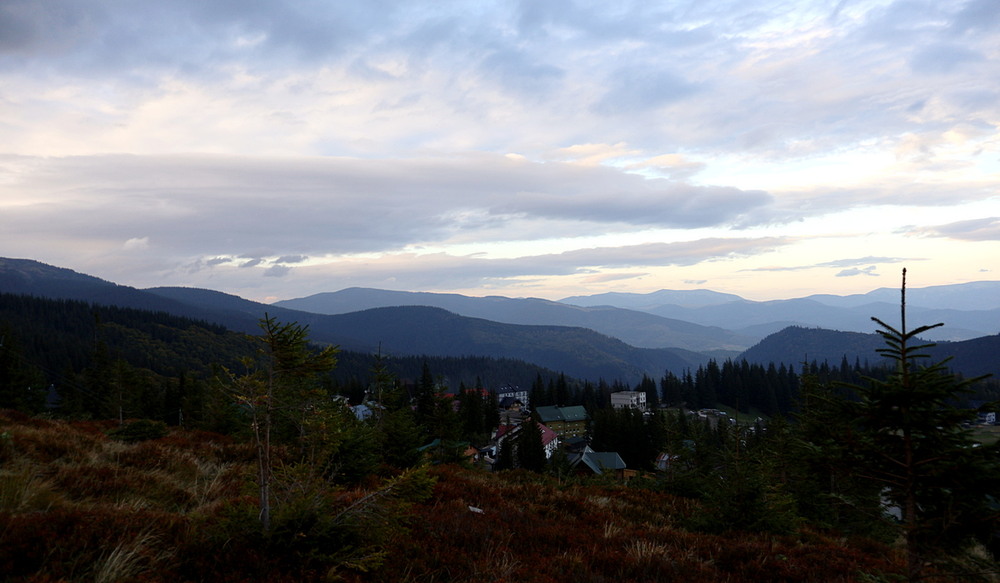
x=666 y=461
x=565 y=421
x=440 y=450
x=513 y=393
x=550 y=441
x=629 y=400
x=598 y=462
x=511 y=404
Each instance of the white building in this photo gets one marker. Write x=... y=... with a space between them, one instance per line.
x=629 y=400
x=514 y=393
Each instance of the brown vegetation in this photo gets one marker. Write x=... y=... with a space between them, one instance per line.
x=77 y=505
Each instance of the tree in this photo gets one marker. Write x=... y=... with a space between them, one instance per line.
x=281 y=379
x=22 y=385
x=906 y=435
x=529 y=451
x=505 y=456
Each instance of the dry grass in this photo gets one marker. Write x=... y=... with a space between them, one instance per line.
x=131 y=558
x=640 y=550
x=76 y=506
x=22 y=489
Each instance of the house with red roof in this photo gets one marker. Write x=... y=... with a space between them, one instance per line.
x=550 y=440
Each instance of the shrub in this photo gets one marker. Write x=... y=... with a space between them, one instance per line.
x=139 y=430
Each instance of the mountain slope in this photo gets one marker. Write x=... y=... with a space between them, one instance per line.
x=424 y=330
x=632 y=327
x=968 y=310
x=578 y=352
x=976 y=295
x=645 y=302
x=795 y=345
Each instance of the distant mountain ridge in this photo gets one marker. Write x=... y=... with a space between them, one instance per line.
x=403 y=331
x=544 y=339
x=969 y=310
x=630 y=326
x=695 y=298
x=795 y=345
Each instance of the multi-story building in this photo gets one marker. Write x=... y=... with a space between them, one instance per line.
x=565 y=421
x=629 y=400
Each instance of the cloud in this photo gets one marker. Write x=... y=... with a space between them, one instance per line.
x=136 y=243
x=664 y=254
x=861 y=261
x=277 y=271
x=943 y=58
x=215 y=206
x=610 y=277
x=639 y=89
x=985 y=229
x=757 y=81
x=676 y=166
x=275 y=134
x=870 y=270
x=443 y=271
x=853 y=263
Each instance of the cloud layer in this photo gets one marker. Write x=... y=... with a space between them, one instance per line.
x=268 y=147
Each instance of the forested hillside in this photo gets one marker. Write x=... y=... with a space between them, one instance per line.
x=162 y=365
x=796 y=345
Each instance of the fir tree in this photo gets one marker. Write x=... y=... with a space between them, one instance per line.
x=907 y=436
x=281 y=384
x=529 y=451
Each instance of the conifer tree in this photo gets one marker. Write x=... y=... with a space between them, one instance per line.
x=505 y=456
x=22 y=385
x=529 y=451
x=906 y=435
x=281 y=380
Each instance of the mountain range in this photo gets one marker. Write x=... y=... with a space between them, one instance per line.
x=611 y=336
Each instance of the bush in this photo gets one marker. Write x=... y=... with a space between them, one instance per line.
x=139 y=430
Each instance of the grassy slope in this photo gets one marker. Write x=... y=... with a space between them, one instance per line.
x=76 y=505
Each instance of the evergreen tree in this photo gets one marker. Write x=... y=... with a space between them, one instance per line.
x=537 y=396
x=426 y=395
x=505 y=456
x=907 y=437
x=281 y=381
x=562 y=396
x=820 y=467
x=648 y=386
x=529 y=452
x=472 y=410
x=399 y=438
x=22 y=385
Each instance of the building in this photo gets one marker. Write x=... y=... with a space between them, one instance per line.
x=599 y=462
x=550 y=440
x=629 y=400
x=565 y=421
x=514 y=394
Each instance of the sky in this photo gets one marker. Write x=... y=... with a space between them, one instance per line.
x=278 y=149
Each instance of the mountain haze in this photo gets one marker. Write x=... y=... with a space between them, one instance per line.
x=968 y=310
x=403 y=331
x=630 y=326
x=581 y=341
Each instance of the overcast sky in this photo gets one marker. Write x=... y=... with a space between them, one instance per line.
x=276 y=149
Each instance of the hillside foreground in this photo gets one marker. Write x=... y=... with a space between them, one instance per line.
x=77 y=504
